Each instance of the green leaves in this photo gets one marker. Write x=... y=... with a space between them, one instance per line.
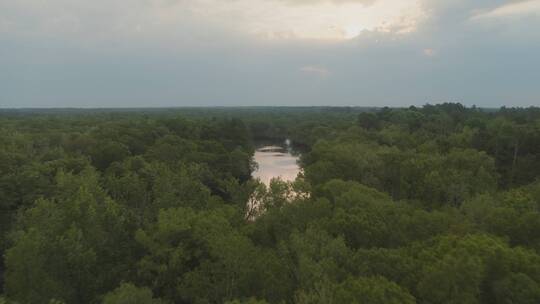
x=398 y=206
x=128 y=293
x=193 y=255
x=69 y=248
x=376 y=290
x=468 y=269
x=372 y=290
x=437 y=179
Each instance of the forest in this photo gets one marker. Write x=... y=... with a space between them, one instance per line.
x=432 y=204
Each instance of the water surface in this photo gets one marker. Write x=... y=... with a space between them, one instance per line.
x=276 y=161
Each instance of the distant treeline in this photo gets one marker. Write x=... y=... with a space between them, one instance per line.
x=432 y=204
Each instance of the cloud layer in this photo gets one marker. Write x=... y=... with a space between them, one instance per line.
x=268 y=52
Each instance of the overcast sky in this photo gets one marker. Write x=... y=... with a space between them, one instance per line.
x=148 y=53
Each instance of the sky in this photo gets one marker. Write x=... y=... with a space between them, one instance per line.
x=162 y=53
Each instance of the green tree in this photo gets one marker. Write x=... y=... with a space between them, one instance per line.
x=196 y=256
x=372 y=290
x=128 y=293
x=72 y=247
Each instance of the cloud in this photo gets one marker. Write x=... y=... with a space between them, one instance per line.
x=214 y=52
x=274 y=19
x=531 y=7
x=311 y=2
x=429 y=52
x=315 y=70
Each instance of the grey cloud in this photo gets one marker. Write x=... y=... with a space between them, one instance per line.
x=448 y=11
x=315 y=70
x=92 y=59
x=308 y=2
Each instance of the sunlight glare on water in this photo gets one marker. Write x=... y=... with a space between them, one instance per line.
x=275 y=161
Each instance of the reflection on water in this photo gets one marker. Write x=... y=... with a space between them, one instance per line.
x=276 y=161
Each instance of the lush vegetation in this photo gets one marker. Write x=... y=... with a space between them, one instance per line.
x=438 y=204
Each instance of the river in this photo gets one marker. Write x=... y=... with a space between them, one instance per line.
x=276 y=161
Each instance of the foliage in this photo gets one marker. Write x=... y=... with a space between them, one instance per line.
x=128 y=293
x=437 y=204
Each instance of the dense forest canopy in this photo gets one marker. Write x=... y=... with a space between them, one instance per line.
x=436 y=204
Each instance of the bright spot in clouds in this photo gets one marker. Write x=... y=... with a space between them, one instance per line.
x=352 y=31
x=323 y=20
x=267 y=19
